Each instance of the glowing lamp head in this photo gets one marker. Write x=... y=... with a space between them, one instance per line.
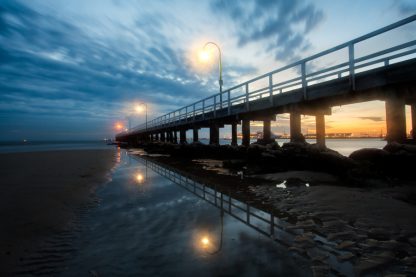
x=205 y=241
x=119 y=126
x=204 y=56
x=139 y=108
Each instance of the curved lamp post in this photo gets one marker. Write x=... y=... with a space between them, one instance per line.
x=219 y=62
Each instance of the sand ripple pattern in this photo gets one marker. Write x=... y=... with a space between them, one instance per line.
x=52 y=257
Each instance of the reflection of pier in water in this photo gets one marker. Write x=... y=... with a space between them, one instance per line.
x=263 y=222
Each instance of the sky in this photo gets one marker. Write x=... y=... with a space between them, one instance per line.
x=73 y=69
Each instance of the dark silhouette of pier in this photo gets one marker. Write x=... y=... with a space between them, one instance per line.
x=302 y=88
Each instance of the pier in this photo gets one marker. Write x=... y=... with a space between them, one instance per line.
x=387 y=75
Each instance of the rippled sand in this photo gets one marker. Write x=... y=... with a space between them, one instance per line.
x=40 y=193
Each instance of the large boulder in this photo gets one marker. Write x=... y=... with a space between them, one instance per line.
x=369 y=154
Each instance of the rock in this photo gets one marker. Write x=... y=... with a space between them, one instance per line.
x=378 y=234
x=345 y=257
x=273 y=146
x=234 y=164
x=320 y=270
x=297 y=250
x=412 y=241
x=410 y=148
x=345 y=244
x=369 y=154
x=349 y=235
x=368 y=264
x=392 y=147
x=317 y=148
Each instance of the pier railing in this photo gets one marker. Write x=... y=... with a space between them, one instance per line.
x=237 y=99
x=263 y=222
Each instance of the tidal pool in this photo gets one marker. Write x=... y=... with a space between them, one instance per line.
x=153 y=222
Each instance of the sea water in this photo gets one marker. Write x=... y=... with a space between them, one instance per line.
x=343 y=146
x=148 y=225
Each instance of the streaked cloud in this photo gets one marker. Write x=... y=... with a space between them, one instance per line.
x=282 y=25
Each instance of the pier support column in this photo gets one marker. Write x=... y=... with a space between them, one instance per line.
x=320 y=129
x=234 y=134
x=195 y=135
x=395 y=119
x=246 y=132
x=182 y=136
x=413 y=112
x=162 y=137
x=169 y=136
x=157 y=136
x=214 y=134
x=175 y=136
x=267 y=131
x=295 y=128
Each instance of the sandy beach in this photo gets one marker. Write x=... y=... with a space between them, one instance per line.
x=40 y=193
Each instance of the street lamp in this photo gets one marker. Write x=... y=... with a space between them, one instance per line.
x=140 y=109
x=204 y=56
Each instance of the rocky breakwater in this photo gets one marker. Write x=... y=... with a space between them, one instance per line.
x=394 y=161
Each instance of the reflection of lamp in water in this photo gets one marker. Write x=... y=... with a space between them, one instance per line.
x=139 y=178
x=206 y=243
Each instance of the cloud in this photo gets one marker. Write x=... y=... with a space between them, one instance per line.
x=406 y=8
x=372 y=118
x=281 y=24
x=58 y=68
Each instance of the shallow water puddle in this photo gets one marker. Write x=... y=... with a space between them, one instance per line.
x=153 y=221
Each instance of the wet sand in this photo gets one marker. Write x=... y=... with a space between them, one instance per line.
x=40 y=193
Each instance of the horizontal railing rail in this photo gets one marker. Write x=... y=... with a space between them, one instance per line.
x=242 y=94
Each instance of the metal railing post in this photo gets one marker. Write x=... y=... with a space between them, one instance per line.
x=194 y=111
x=304 y=83
x=215 y=105
x=247 y=105
x=203 y=108
x=271 y=89
x=221 y=100
x=351 y=65
x=229 y=102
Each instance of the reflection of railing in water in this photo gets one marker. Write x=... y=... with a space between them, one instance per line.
x=263 y=222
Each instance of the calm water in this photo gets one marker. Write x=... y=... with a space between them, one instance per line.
x=148 y=225
x=343 y=146
x=36 y=146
